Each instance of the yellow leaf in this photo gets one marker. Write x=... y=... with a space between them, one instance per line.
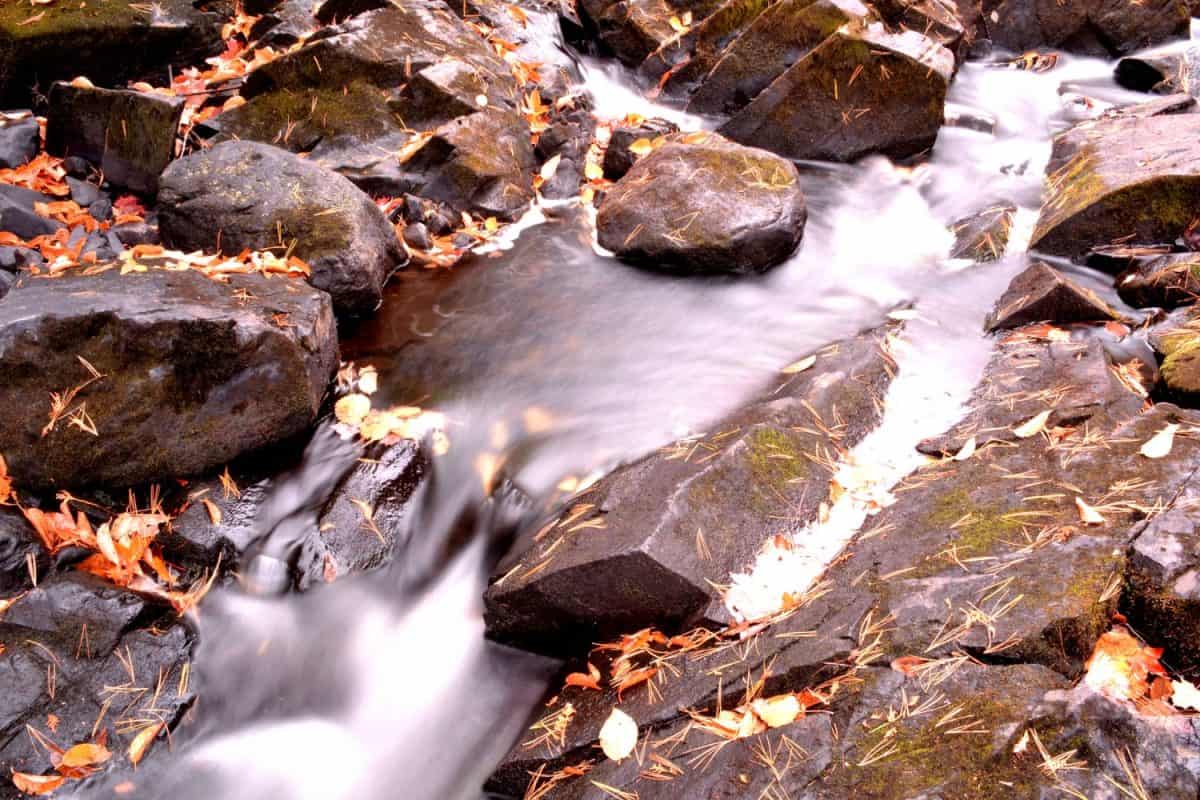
x=214 y=511
x=619 y=735
x=593 y=171
x=352 y=409
x=550 y=167
x=81 y=82
x=641 y=147
x=799 y=366
x=85 y=755
x=1087 y=514
x=1160 y=444
x=141 y=743
x=37 y=784
x=777 y=711
x=1185 y=695
x=1032 y=427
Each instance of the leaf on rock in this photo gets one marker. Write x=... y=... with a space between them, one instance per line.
x=591 y=680
x=1087 y=514
x=37 y=784
x=799 y=366
x=214 y=511
x=777 y=711
x=1121 y=666
x=967 y=450
x=1159 y=445
x=1033 y=426
x=85 y=755
x=1185 y=695
x=352 y=409
x=618 y=735
x=141 y=743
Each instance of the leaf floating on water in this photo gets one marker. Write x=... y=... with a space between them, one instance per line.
x=967 y=450
x=799 y=366
x=1185 y=695
x=37 y=784
x=778 y=711
x=1159 y=445
x=619 y=735
x=141 y=743
x=1087 y=514
x=352 y=409
x=1033 y=426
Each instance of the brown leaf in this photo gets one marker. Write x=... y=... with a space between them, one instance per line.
x=214 y=511
x=37 y=784
x=141 y=743
x=85 y=755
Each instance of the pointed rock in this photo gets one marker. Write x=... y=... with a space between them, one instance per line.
x=1042 y=294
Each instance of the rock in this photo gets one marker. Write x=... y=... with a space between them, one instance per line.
x=951 y=23
x=123 y=43
x=20 y=138
x=84 y=193
x=1164 y=282
x=1042 y=294
x=779 y=37
x=1179 y=345
x=239 y=195
x=192 y=374
x=1126 y=179
x=894 y=107
x=127 y=135
x=535 y=28
x=1095 y=27
x=618 y=159
x=1166 y=72
x=983 y=237
x=1159 y=106
x=135 y=233
x=285 y=24
x=649 y=543
x=75 y=601
x=704 y=205
x=17 y=215
x=18 y=544
x=631 y=29
x=192 y=538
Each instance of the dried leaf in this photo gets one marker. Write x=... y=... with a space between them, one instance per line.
x=214 y=511
x=352 y=409
x=141 y=743
x=1032 y=427
x=908 y=665
x=1120 y=666
x=591 y=680
x=1087 y=514
x=777 y=711
x=1185 y=695
x=618 y=735
x=641 y=147
x=85 y=755
x=1159 y=445
x=799 y=366
x=550 y=167
x=593 y=171
x=37 y=784
x=967 y=450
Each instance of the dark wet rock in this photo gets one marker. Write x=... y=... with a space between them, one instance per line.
x=122 y=43
x=1096 y=27
x=951 y=23
x=631 y=29
x=534 y=27
x=93 y=691
x=1043 y=294
x=1160 y=106
x=194 y=539
x=193 y=375
x=771 y=42
x=17 y=213
x=7 y=279
x=1164 y=282
x=239 y=195
x=618 y=158
x=82 y=192
x=648 y=544
x=416 y=235
x=1126 y=180
x=1162 y=592
x=983 y=237
x=704 y=205
x=18 y=544
x=285 y=24
x=74 y=601
x=127 y=135
x=569 y=138
x=346 y=541
x=482 y=162
x=20 y=138
x=135 y=233
x=1170 y=72
x=894 y=107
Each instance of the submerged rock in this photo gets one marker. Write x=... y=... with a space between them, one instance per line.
x=983 y=237
x=246 y=195
x=129 y=136
x=1095 y=27
x=1122 y=180
x=1042 y=294
x=123 y=41
x=894 y=105
x=650 y=542
x=192 y=373
x=701 y=204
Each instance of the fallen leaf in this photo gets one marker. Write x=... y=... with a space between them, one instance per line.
x=37 y=784
x=1087 y=514
x=777 y=711
x=214 y=511
x=1185 y=695
x=352 y=409
x=1159 y=445
x=141 y=743
x=799 y=366
x=967 y=450
x=641 y=147
x=82 y=82
x=85 y=755
x=907 y=665
x=1033 y=426
x=591 y=680
x=1120 y=665
x=618 y=735
x=593 y=171
x=550 y=167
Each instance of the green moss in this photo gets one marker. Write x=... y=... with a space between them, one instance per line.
x=299 y=119
x=775 y=462
x=1181 y=367
x=67 y=17
x=985 y=526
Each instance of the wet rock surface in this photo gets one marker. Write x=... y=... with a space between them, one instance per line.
x=1165 y=282
x=1043 y=294
x=673 y=210
x=19 y=138
x=246 y=195
x=1098 y=28
x=191 y=376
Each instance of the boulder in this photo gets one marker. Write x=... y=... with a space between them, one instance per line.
x=1095 y=27
x=890 y=98
x=618 y=158
x=633 y=29
x=108 y=42
x=1164 y=282
x=649 y=543
x=779 y=37
x=1124 y=180
x=18 y=545
x=1179 y=345
x=17 y=214
x=702 y=204
x=983 y=237
x=127 y=135
x=20 y=137
x=1043 y=294
x=1172 y=71
x=192 y=373
x=246 y=195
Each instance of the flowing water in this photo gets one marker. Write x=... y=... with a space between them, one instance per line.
x=560 y=362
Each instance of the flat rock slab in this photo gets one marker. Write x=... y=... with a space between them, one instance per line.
x=194 y=373
x=1043 y=294
x=1125 y=180
x=889 y=98
x=123 y=42
x=700 y=204
x=1095 y=27
x=649 y=543
x=127 y=135
x=246 y=195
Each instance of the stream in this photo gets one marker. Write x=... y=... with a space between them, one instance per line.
x=554 y=359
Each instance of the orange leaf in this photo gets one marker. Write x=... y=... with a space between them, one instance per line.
x=37 y=784
x=141 y=743
x=589 y=681
x=908 y=665
x=85 y=755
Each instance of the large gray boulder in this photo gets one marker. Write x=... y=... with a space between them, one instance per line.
x=193 y=373
x=240 y=195
x=702 y=204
